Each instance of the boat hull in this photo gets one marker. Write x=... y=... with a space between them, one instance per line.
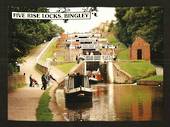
x=79 y=96
x=92 y=81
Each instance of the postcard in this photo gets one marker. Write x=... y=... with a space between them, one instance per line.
x=85 y=64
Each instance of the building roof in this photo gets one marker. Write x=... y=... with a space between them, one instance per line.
x=140 y=42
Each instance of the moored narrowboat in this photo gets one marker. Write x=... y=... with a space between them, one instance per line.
x=77 y=88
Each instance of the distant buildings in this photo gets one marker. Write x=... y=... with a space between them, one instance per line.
x=103 y=27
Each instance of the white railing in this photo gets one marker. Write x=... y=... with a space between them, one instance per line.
x=89 y=46
x=97 y=57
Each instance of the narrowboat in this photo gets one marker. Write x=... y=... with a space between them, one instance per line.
x=95 y=78
x=77 y=88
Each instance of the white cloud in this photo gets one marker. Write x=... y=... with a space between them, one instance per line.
x=103 y=14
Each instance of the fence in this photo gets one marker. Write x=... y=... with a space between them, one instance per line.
x=89 y=46
x=97 y=57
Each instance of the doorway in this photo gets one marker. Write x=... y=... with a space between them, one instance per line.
x=139 y=54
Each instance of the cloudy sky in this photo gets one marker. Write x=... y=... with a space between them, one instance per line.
x=103 y=14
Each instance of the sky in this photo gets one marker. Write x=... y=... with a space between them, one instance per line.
x=103 y=14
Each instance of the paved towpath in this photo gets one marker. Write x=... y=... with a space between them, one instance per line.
x=23 y=102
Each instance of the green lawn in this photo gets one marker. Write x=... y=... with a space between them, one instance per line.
x=154 y=78
x=138 y=69
x=113 y=40
x=66 y=67
x=43 y=112
x=60 y=58
x=49 y=52
x=123 y=55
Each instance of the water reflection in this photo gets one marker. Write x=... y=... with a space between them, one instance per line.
x=78 y=112
x=113 y=102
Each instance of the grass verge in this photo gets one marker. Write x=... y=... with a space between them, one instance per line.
x=60 y=59
x=138 y=69
x=43 y=112
x=154 y=78
x=66 y=67
x=123 y=55
x=49 y=52
x=113 y=40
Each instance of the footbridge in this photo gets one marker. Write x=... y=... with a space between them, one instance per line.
x=97 y=58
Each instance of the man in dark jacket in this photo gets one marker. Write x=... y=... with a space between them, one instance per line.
x=48 y=77
x=44 y=82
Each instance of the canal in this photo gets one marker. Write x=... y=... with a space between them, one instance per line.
x=115 y=102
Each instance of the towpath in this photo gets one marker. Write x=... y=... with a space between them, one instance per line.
x=23 y=102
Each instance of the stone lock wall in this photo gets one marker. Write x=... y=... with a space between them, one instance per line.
x=121 y=76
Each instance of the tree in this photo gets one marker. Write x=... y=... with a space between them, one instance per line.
x=25 y=34
x=146 y=22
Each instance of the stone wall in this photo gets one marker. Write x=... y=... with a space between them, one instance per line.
x=149 y=83
x=41 y=68
x=109 y=70
x=121 y=76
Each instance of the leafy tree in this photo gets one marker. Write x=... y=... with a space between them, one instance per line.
x=25 y=34
x=146 y=22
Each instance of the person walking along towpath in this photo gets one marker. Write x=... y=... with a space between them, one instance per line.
x=48 y=77
x=44 y=82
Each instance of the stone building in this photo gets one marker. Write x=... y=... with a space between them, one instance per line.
x=140 y=50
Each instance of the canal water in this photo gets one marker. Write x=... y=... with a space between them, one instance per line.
x=113 y=102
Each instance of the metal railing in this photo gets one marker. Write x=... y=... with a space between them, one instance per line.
x=97 y=57
x=89 y=46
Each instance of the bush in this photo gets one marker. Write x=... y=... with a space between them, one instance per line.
x=13 y=68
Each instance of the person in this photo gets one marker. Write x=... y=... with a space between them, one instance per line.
x=48 y=77
x=35 y=82
x=31 y=81
x=44 y=82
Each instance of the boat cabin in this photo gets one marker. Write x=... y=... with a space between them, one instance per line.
x=75 y=81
